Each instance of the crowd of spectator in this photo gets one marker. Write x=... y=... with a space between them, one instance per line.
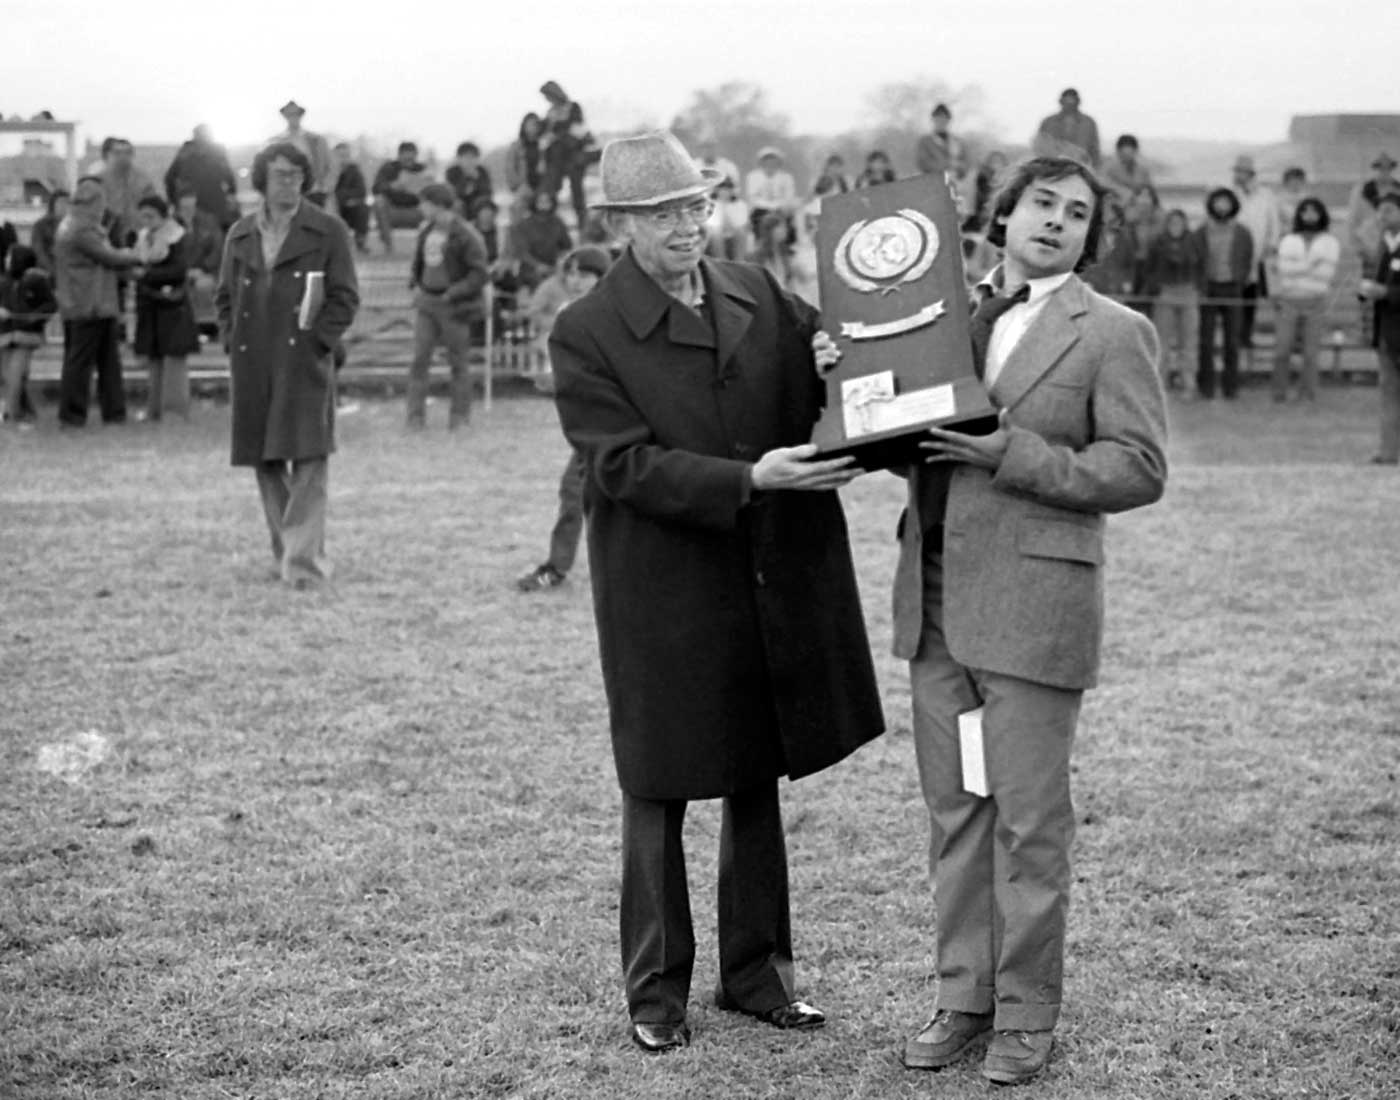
x=120 y=241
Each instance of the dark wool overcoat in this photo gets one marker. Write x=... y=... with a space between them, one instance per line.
x=733 y=644
x=283 y=378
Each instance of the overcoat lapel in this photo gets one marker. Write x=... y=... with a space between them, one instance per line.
x=733 y=308
x=246 y=245
x=301 y=239
x=1051 y=334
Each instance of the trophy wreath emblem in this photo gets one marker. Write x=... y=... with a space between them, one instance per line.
x=884 y=254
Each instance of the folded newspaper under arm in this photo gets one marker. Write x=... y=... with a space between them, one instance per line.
x=312 y=299
x=973 y=753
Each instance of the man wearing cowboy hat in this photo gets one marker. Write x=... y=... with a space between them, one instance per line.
x=733 y=647
x=316 y=148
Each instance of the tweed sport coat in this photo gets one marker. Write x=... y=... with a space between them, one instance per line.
x=1023 y=548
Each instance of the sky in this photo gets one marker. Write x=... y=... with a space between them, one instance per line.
x=443 y=71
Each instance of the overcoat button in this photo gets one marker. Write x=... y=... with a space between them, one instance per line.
x=292 y=341
x=242 y=347
x=759 y=578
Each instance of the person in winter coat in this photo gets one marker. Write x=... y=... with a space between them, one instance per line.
x=165 y=330
x=448 y=277
x=351 y=195
x=287 y=293
x=1307 y=268
x=539 y=240
x=524 y=162
x=85 y=278
x=202 y=166
x=732 y=641
x=26 y=304
x=1172 y=276
x=41 y=236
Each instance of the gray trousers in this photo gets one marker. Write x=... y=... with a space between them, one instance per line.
x=1298 y=321
x=1001 y=865
x=435 y=325
x=294 y=502
x=658 y=941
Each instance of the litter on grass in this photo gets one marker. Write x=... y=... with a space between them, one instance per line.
x=74 y=760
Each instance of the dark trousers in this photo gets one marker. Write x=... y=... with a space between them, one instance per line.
x=1229 y=318
x=658 y=941
x=563 y=540
x=87 y=344
x=1252 y=294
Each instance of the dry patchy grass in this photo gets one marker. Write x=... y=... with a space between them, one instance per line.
x=366 y=846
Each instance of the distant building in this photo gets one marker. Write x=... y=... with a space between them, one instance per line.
x=1341 y=147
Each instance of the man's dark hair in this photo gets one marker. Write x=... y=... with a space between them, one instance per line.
x=1389 y=196
x=1324 y=219
x=408 y=147
x=55 y=196
x=287 y=151
x=1229 y=195
x=941 y=109
x=468 y=147
x=1050 y=169
x=1294 y=173
x=1070 y=91
x=156 y=203
x=1127 y=141
x=111 y=144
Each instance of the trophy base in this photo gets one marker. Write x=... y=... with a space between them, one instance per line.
x=893 y=448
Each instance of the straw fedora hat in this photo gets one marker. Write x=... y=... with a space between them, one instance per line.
x=650 y=169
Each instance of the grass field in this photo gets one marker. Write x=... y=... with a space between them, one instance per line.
x=365 y=844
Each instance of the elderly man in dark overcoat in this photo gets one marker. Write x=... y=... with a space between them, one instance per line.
x=732 y=641
x=287 y=292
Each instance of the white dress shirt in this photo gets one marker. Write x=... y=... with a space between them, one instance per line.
x=1012 y=324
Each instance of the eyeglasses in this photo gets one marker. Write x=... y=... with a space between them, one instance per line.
x=281 y=175
x=671 y=217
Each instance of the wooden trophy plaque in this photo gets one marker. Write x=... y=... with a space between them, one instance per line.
x=895 y=300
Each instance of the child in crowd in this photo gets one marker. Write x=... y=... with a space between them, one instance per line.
x=26 y=304
x=1172 y=275
x=878 y=170
x=578 y=274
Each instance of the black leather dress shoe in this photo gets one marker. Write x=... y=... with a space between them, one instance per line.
x=793 y=1016
x=659 y=1038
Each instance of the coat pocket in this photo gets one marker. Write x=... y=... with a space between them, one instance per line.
x=1061 y=540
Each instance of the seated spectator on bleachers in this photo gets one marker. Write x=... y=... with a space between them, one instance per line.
x=397 y=185
x=769 y=188
x=1293 y=190
x=1115 y=271
x=727 y=236
x=939 y=152
x=1126 y=174
x=525 y=162
x=984 y=188
x=1363 y=217
x=1228 y=251
x=483 y=218
x=772 y=249
x=709 y=158
x=504 y=270
x=204 y=251
x=350 y=194
x=468 y=178
x=1068 y=133
x=878 y=170
x=26 y=304
x=1172 y=274
x=124 y=186
x=316 y=148
x=833 y=179
x=1307 y=267
x=42 y=233
x=202 y=165
x=539 y=239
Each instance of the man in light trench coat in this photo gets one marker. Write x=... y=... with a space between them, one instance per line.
x=733 y=645
x=287 y=292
